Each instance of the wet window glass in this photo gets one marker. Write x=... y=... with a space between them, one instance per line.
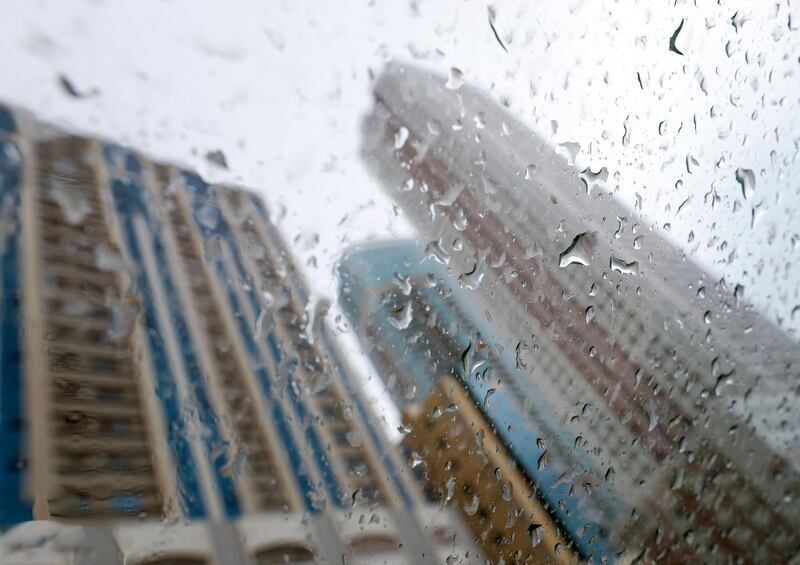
x=399 y=282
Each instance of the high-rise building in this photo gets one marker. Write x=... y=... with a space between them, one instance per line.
x=465 y=464
x=665 y=372
x=161 y=377
x=424 y=337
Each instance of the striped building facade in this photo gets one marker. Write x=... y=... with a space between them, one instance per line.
x=160 y=375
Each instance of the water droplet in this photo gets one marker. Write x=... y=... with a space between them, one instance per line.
x=570 y=150
x=259 y=326
x=403 y=283
x=460 y=221
x=677 y=480
x=530 y=171
x=724 y=380
x=738 y=292
x=489 y=394
x=450 y=486
x=691 y=163
x=544 y=460
x=652 y=418
x=448 y=197
x=747 y=181
x=455 y=79
x=674 y=38
x=401 y=317
x=626 y=132
x=637 y=377
x=535 y=534
x=589 y=314
x=579 y=252
x=435 y=251
x=316 y=311
x=356 y=499
x=623 y=267
x=472 y=507
x=472 y=278
x=400 y=138
x=591 y=179
x=756 y=213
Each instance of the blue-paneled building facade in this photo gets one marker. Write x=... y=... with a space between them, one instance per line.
x=158 y=364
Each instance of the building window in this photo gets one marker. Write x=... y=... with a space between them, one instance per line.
x=287 y=553
x=375 y=549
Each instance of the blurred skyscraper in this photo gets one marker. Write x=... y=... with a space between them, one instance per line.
x=672 y=383
x=462 y=459
x=162 y=375
x=441 y=361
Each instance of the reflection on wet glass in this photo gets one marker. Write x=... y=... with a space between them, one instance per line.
x=532 y=371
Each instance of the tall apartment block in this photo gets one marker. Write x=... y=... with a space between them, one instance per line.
x=161 y=381
x=674 y=385
x=466 y=462
x=443 y=367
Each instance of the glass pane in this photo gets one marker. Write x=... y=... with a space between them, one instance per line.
x=419 y=282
